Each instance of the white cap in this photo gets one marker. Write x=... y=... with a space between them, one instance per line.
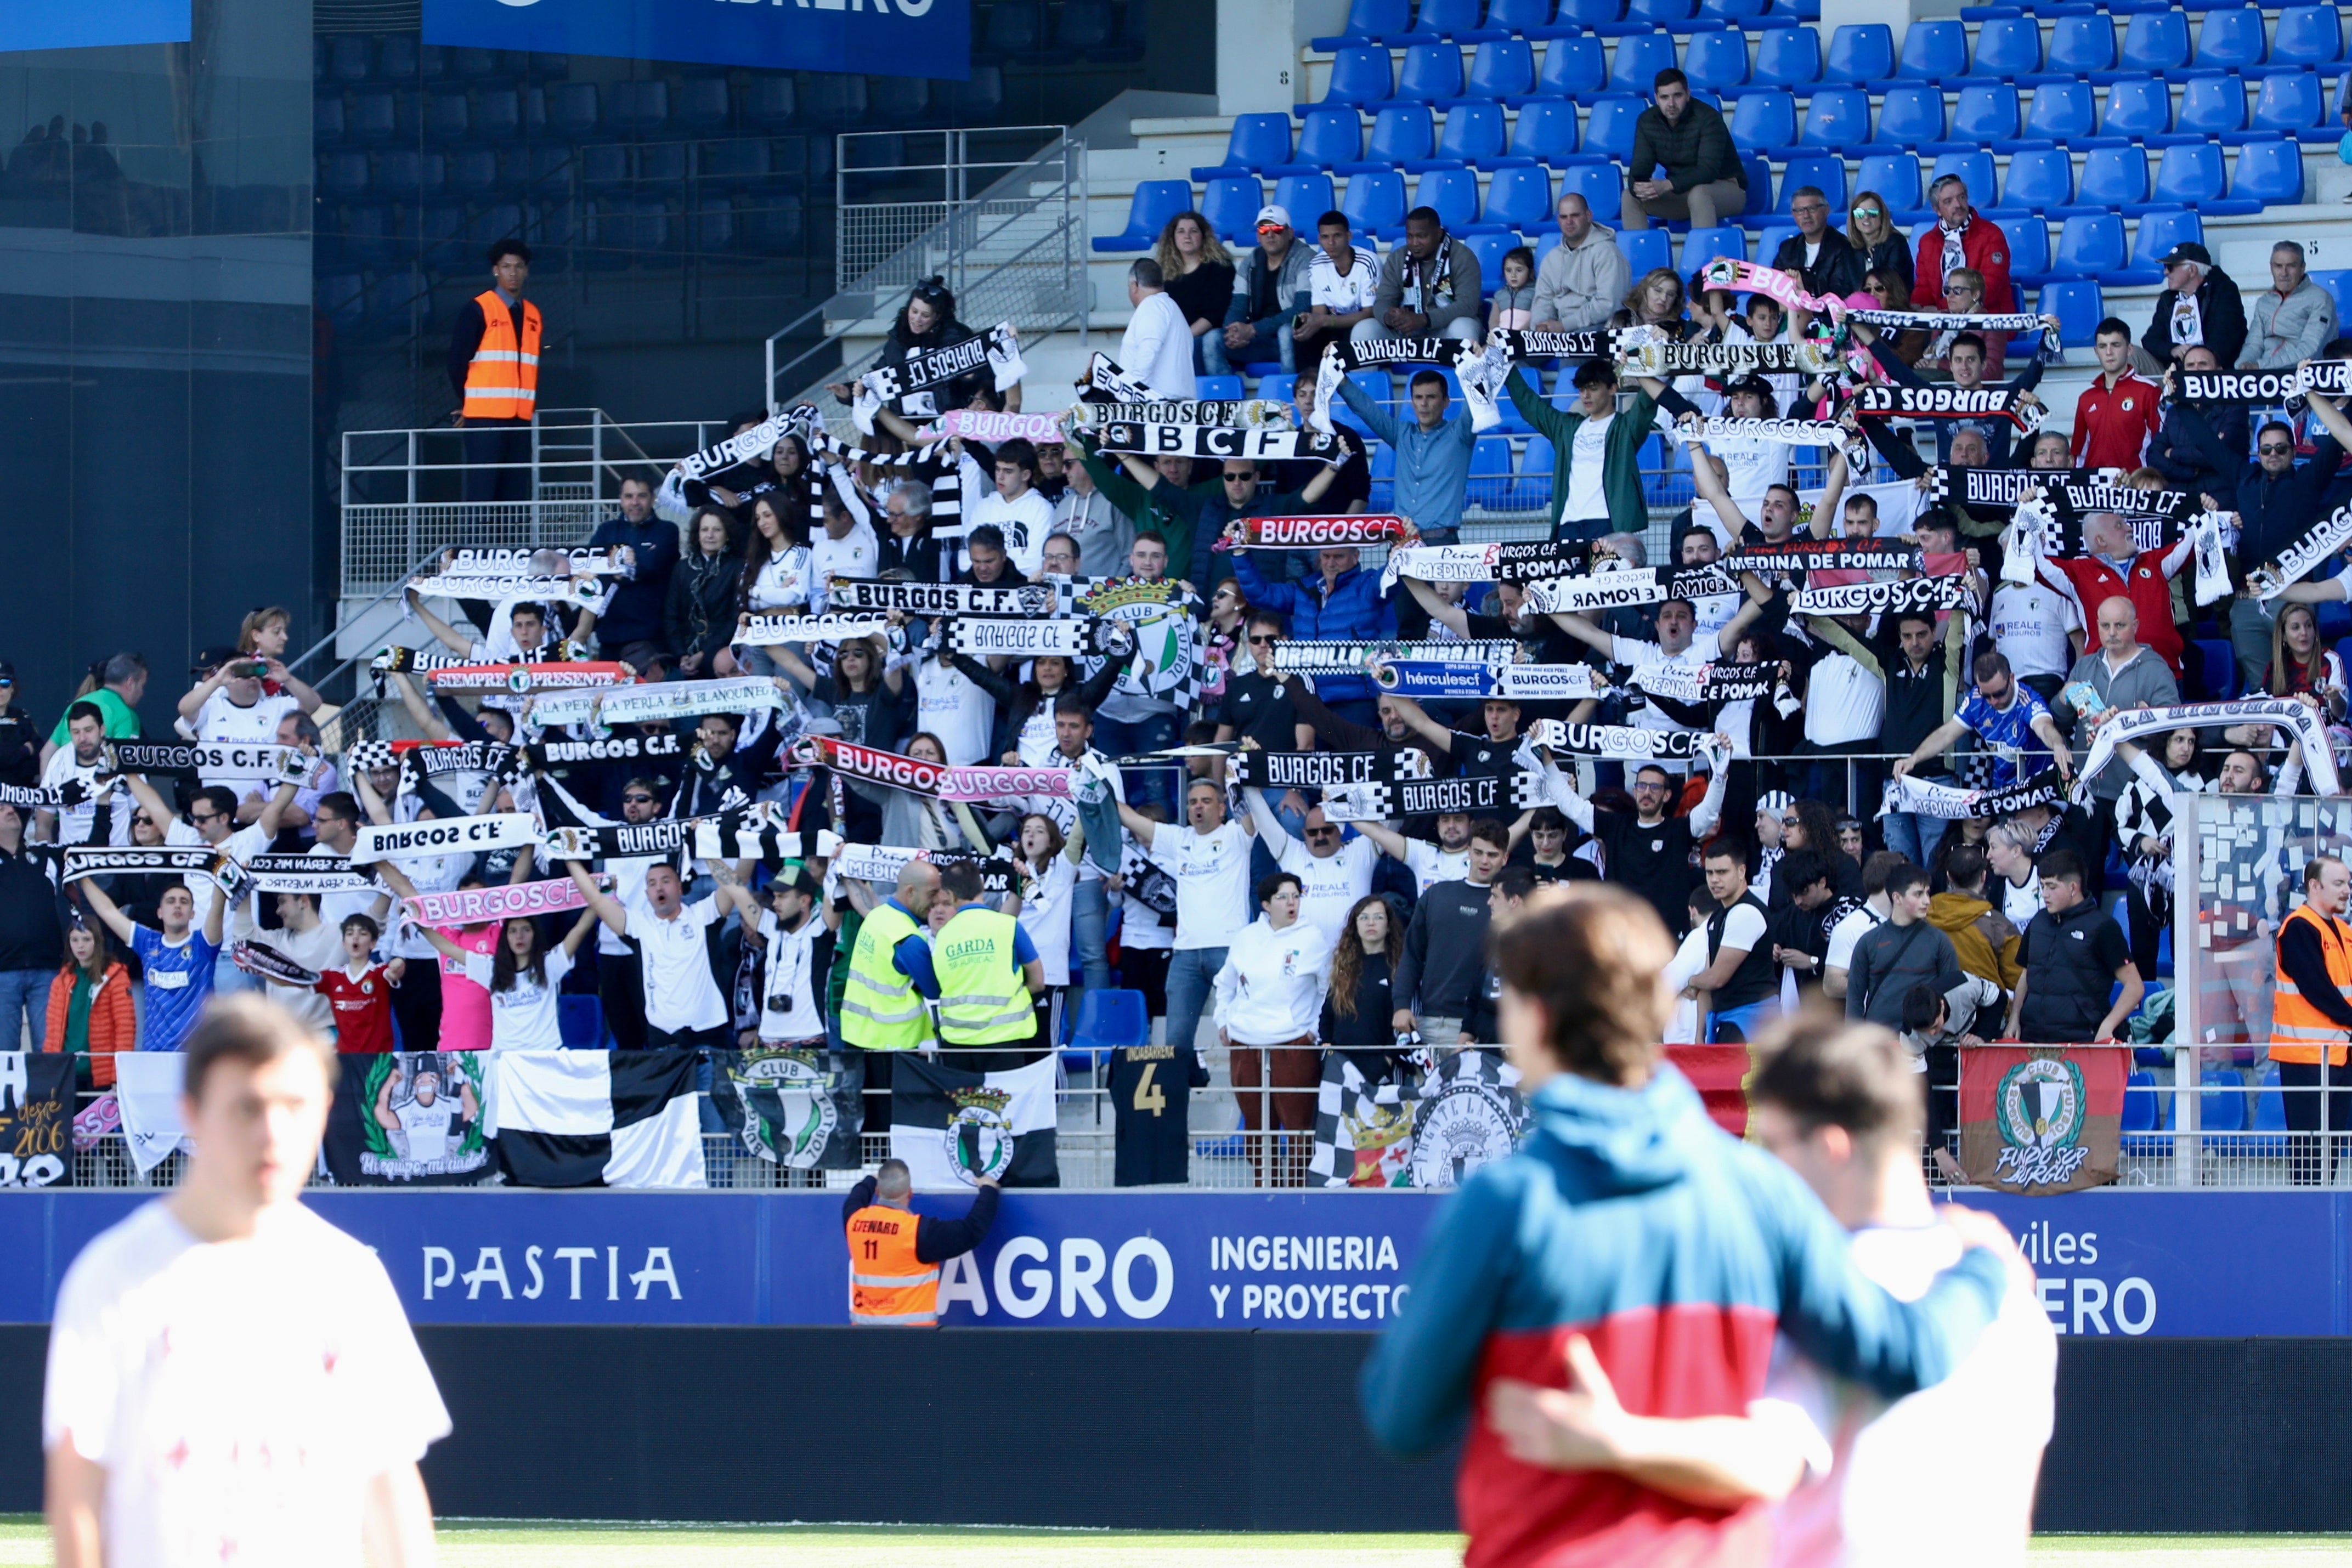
x=1271 y=213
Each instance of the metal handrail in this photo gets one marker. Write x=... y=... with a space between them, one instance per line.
x=315 y=649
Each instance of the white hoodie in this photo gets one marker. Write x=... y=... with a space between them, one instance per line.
x=1270 y=991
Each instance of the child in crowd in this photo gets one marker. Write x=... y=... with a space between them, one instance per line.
x=1512 y=307
x=360 y=991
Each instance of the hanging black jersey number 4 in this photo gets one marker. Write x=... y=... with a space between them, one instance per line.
x=1150 y=1101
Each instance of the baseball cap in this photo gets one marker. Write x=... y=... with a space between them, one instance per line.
x=7 y=673
x=2188 y=250
x=1273 y=213
x=214 y=657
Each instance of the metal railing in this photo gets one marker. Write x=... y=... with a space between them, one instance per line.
x=873 y=234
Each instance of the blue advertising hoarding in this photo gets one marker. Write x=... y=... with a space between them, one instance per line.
x=2159 y=1263
x=892 y=37
x=30 y=24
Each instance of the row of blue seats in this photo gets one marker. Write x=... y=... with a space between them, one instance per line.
x=403 y=173
x=2221 y=1108
x=2311 y=38
x=1066 y=31
x=352 y=57
x=449 y=237
x=1390 y=23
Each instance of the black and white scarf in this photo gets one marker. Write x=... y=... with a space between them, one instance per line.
x=1106 y=382
x=664 y=701
x=1825 y=555
x=1315 y=657
x=769 y=630
x=1947 y=802
x=1264 y=444
x=1526 y=562
x=1619 y=740
x=2289 y=714
x=906 y=387
x=661 y=839
x=1485 y=795
x=1015 y=637
x=1257 y=769
x=307 y=874
x=1391 y=353
x=1245 y=414
x=1636 y=585
x=1949 y=324
x=1885 y=598
x=99 y=860
x=2297 y=561
x=421 y=765
x=1887 y=401
x=1721 y=683
x=752 y=445
x=51 y=797
x=933 y=465
x=933 y=600
x=1456 y=681
x=1999 y=489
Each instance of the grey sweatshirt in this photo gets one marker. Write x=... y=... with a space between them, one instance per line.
x=1444 y=958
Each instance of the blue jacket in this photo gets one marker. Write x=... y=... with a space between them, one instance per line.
x=1433 y=466
x=639 y=609
x=1354 y=611
x=1678 y=1250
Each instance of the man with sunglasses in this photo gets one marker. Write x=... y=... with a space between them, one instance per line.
x=1341 y=603
x=1270 y=286
x=1817 y=254
x=1259 y=703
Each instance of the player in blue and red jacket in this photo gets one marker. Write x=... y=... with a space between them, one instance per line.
x=1630 y=1217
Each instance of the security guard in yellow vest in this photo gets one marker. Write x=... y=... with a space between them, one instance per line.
x=989 y=979
x=494 y=349
x=883 y=1008
x=2311 y=1018
x=895 y=1253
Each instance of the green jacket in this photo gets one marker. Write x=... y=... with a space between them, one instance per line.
x=1173 y=527
x=1621 y=481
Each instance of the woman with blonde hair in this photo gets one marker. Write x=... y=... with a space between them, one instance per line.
x=265 y=632
x=1877 y=243
x=1200 y=274
x=1657 y=300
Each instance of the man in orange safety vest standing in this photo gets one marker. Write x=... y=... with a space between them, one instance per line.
x=895 y=1253
x=494 y=366
x=2311 y=1020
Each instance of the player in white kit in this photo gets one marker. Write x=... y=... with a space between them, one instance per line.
x=231 y=1379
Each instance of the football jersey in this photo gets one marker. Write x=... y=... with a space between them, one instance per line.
x=1150 y=1096
x=363 y=1008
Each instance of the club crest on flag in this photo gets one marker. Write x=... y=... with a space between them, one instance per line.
x=1469 y=1116
x=2039 y=1109
x=790 y=1097
x=978 y=1136
x=1382 y=1138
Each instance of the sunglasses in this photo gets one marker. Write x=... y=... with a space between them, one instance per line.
x=1259 y=640
x=1322 y=832
x=1790 y=823
x=2267 y=450
x=1271 y=229
x=637 y=800
x=1869 y=212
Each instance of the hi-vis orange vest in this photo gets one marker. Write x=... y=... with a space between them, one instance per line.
x=2298 y=1028
x=503 y=381
x=887 y=1285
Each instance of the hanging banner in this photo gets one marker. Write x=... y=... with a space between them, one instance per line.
x=2039 y=1121
x=800 y=1109
x=908 y=37
x=408 y=1119
x=37 y=1110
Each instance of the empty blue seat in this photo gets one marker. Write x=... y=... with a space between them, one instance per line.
x=1703 y=246
x=1080 y=27
x=1519 y=16
x=1772 y=236
x=2270 y=173
x=2290 y=103
x=1533 y=492
x=1609 y=128
x=1488 y=245
x=2079 y=306
x=1646 y=249
x=1660 y=13
x=1430 y=72
x=1375 y=200
x=1828 y=174
x=734 y=162
x=2221 y=1107
x=350 y=58
x=2112 y=177
x=2139 y=1111
x=572 y=111
x=1759 y=186
x=1519 y=199
x=2081 y=45
x=1748 y=11
x=2029 y=249
x=374 y=115
x=1359 y=75
x=1305 y=196
x=1111 y=1019
x=2269 y=1117
x=2192 y=177
x=638 y=109
x=1438 y=17
x=2039 y=181
x=1503 y=67
x=2008 y=47
x=2155 y=41
x=474 y=171
x=605 y=165
x=1231 y=203
x=327 y=120
x=498 y=112
x=2137 y=107
x=1894 y=175
x=1260 y=141
x=1766 y=121
x=580 y=1022
x=1600 y=186
x=447 y=115
x=1974 y=168
x=1013 y=27
x=343 y=174
x=2089 y=243
x=1588 y=13
x=2231 y=40
x=1910 y=114
x=2210 y=106
x=2307 y=35
x=702 y=103
x=1277 y=386
x=1473 y=132
x=1453 y=192
x=1791 y=57
x=1369 y=19
x=1717 y=60
x=1402 y=133
x=1148 y=212
x=1544 y=130
x=1491 y=472
x=2158 y=233
x=1637 y=61
x=772 y=100
x=1933 y=50
x=1222 y=386
x=2060 y=114
x=1571 y=68
x=1987 y=113
x=1835 y=117
x=1860 y=52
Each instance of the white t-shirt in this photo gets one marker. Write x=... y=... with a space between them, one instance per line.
x=1688 y=963
x=1639 y=653
x=784 y=582
x=1343 y=293
x=950 y=707
x=1588 y=497
x=1755 y=466
x=1329 y=887
x=75 y=823
x=239 y=1395
x=679 y=991
x=1843 y=701
x=1744 y=927
x=792 y=1007
x=220 y=719
x=2028 y=625
x=1046 y=899
x=319 y=949
x=2018 y=905
x=1213 y=879
x=1977 y=1435
x=855 y=554
x=628 y=876
x=1025 y=523
x=1157 y=348
x=1846 y=932
x=1431 y=865
x=525 y=1018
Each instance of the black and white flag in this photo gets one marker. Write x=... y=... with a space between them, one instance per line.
x=953 y=1126
x=1363 y=1132
x=596 y=1118
x=1468 y=1115
x=800 y=1109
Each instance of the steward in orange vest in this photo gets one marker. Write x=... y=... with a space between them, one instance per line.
x=895 y=1253
x=493 y=365
x=2311 y=1019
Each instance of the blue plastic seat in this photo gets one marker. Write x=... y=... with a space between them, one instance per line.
x=1933 y=50
x=1544 y=130
x=2138 y=108
x=1111 y=1019
x=2112 y=178
x=1402 y=133
x=580 y=1022
x=1660 y=13
x=1750 y=12
x=1766 y=121
x=2089 y=243
x=2008 y=47
x=1588 y=14
x=1703 y=246
x=1646 y=249
x=499 y=113
x=1370 y=19
x=1440 y=17
x=1985 y=113
x=374 y=115
x=1518 y=199
x=2291 y=103
x=2155 y=42
x=1261 y=141
x=2139 y=1116
x=1828 y=174
x=2307 y=35
x=1599 y=185
x=448 y=116
x=1473 y=132
x=1013 y=27
x=1771 y=238
x=703 y=104
x=572 y=111
x=1503 y=67
x=350 y=58
x=1791 y=57
x=1431 y=72
x=474 y=171
x=1834 y=117
x=1760 y=187
x=2231 y=40
x=1860 y=52
x=1894 y=175
x=1146 y=212
x=1375 y=200
x=2192 y=177
x=1973 y=167
x=1080 y=27
x=2270 y=1118
x=1231 y=203
x=2029 y=249
x=2081 y=45
x=1571 y=68
x=771 y=101
x=1491 y=473
x=2060 y=114
x=1359 y=75
x=638 y=109
x=343 y=174
x=734 y=162
x=1305 y=196
x=327 y=120
x=1220 y=386
x=1519 y=16
x=2158 y=233
x=1717 y=60
x=2270 y=173
x=1609 y=127
x=2210 y=106
x=1277 y=386
x=2039 y=181
x=1638 y=59
x=2079 y=306
x=1911 y=114
x=1533 y=492
x=2221 y=1107
x=1488 y=245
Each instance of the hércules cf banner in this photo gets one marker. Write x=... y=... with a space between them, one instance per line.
x=2041 y=1120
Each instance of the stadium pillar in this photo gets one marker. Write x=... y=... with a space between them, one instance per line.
x=1836 y=14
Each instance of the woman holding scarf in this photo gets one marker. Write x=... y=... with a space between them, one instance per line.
x=1045 y=893
x=774 y=581
x=927 y=321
